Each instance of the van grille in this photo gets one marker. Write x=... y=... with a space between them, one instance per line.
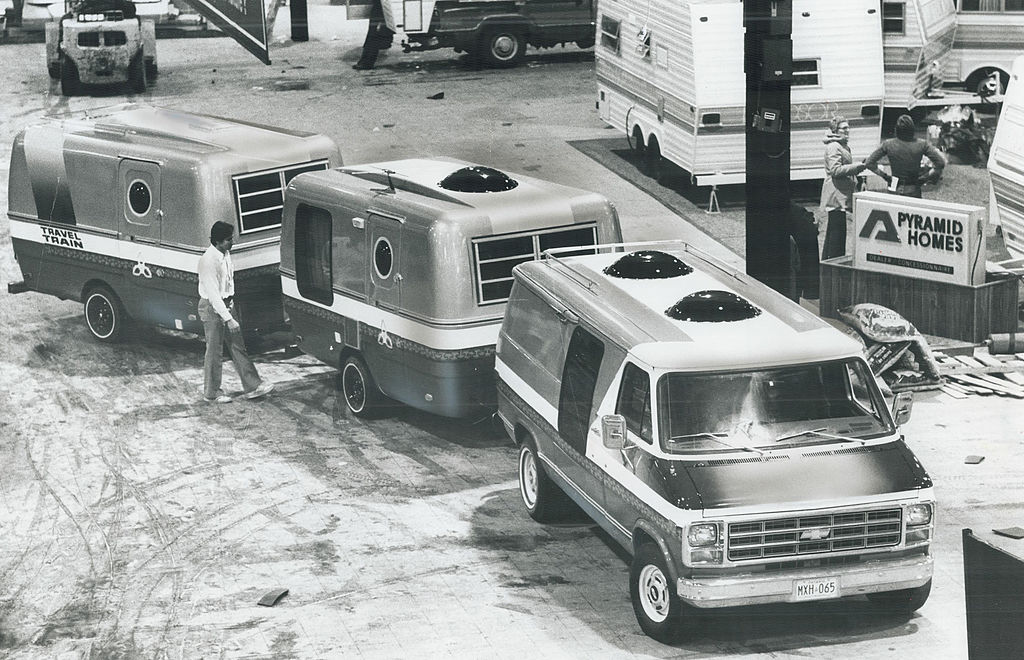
x=495 y=256
x=259 y=196
x=835 y=532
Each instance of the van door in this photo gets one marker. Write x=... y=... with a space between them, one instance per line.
x=575 y=408
x=140 y=220
x=384 y=262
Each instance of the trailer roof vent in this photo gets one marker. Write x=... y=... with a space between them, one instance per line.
x=478 y=179
x=712 y=307
x=647 y=265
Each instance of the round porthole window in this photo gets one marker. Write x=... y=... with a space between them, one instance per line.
x=383 y=258
x=140 y=199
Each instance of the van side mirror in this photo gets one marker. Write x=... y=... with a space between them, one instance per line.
x=901 y=407
x=613 y=431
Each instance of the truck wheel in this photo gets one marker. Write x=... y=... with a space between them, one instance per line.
x=361 y=395
x=137 y=76
x=69 y=81
x=151 y=70
x=660 y=613
x=585 y=43
x=544 y=500
x=104 y=314
x=905 y=601
x=503 y=47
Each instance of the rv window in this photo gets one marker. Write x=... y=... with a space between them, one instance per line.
x=496 y=256
x=140 y=199
x=805 y=73
x=383 y=258
x=894 y=17
x=114 y=38
x=89 y=39
x=992 y=5
x=259 y=196
x=313 y=273
x=610 y=33
x=579 y=378
x=634 y=402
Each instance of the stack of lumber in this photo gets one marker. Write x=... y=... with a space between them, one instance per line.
x=982 y=374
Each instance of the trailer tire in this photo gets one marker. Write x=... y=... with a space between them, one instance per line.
x=70 y=83
x=104 y=314
x=905 y=601
x=544 y=500
x=151 y=70
x=503 y=47
x=358 y=389
x=636 y=143
x=137 y=76
x=53 y=68
x=654 y=164
x=977 y=83
x=658 y=609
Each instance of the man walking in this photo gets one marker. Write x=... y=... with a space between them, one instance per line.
x=216 y=293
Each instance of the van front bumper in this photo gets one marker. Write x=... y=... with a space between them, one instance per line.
x=760 y=588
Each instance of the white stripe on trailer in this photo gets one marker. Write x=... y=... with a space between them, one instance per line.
x=432 y=336
x=266 y=253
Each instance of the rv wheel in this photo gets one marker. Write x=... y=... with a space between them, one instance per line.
x=151 y=70
x=904 y=601
x=654 y=164
x=53 y=68
x=361 y=394
x=104 y=314
x=658 y=610
x=69 y=82
x=503 y=47
x=544 y=500
x=137 y=76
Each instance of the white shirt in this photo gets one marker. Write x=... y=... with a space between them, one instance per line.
x=216 y=280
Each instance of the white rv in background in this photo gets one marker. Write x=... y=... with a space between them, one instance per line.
x=1006 y=166
x=670 y=75
x=989 y=36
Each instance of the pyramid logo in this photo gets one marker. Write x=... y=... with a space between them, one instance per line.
x=888 y=231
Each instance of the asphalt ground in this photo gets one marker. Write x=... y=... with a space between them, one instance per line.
x=139 y=522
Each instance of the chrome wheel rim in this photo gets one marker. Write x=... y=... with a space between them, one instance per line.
x=355 y=388
x=99 y=314
x=504 y=47
x=528 y=477
x=654 y=593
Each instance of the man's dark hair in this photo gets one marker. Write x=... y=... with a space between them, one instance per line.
x=905 y=128
x=220 y=231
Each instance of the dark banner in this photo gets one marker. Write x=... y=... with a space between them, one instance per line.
x=244 y=20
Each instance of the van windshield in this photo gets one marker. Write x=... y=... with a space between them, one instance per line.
x=818 y=403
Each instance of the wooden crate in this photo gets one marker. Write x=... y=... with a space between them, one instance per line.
x=969 y=313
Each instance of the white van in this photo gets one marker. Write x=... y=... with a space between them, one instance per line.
x=734 y=443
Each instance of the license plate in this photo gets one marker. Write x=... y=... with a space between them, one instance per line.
x=816 y=589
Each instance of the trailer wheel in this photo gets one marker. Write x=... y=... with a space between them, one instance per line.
x=654 y=164
x=659 y=611
x=137 y=76
x=104 y=314
x=503 y=47
x=544 y=500
x=905 y=601
x=636 y=144
x=361 y=395
x=53 y=68
x=151 y=70
x=980 y=82
x=69 y=81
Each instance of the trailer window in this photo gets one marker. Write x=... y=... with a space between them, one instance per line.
x=805 y=73
x=313 y=254
x=894 y=17
x=495 y=256
x=259 y=196
x=610 y=33
x=992 y=5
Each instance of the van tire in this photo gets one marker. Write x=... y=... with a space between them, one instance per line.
x=503 y=47
x=69 y=81
x=544 y=500
x=659 y=611
x=904 y=601
x=104 y=314
x=358 y=389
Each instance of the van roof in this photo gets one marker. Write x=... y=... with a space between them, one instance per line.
x=184 y=131
x=770 y=330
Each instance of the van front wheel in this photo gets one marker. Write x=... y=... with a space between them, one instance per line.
x=358 y=389
x=659 y=611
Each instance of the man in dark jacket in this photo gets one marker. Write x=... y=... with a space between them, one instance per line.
x=904 y=153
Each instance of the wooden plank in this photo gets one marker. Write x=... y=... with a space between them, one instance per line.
x=1000 y=382
x=953 y=392
x=1014 y=376
x=1013 y=391
x=971 y=389
x=988 y=360
x=968 y=361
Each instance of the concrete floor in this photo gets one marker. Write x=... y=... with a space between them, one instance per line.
x=139 y=522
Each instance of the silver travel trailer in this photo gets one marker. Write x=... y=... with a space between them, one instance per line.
x=114 y=209
x=397 y=273
x=732 y=442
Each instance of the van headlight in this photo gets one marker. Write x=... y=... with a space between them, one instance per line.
x=703 y=544
x=702 y=535
x=919 y=514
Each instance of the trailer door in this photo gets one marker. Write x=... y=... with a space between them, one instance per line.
x=139 y=201
x=384 y=263
x=146 y=295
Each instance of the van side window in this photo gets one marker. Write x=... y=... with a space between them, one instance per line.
x=579 y=377
x=313 y=253
x=634 y=401
x=535 y=329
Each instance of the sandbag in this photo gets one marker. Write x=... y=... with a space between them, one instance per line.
x=878 y=323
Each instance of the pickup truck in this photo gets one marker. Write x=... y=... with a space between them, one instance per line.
x=495 y=32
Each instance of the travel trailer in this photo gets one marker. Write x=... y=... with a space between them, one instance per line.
x=114 y=209
x=989 y=36
x=397 y=273
x=1006 y=167
x=670 y=76
x=735 y=444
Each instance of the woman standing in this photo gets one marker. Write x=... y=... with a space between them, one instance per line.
x=838 y=187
